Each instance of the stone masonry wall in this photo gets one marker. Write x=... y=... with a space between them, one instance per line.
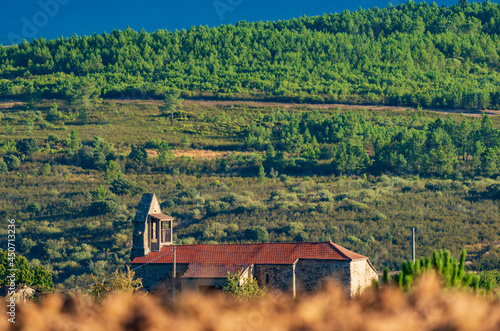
x=280 y=276
x=156 y=276
x=311 y=273
x=353 y=276
x=140 y=237
x=362 y=276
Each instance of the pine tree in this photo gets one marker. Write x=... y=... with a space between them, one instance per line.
x=112 y=172
x=171 y=102
x=54 y=115
x=138 y=154
x=262 y=174
x=74 y=140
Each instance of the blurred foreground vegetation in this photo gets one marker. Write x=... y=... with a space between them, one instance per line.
x=426 y=307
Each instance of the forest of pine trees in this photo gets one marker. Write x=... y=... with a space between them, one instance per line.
x=409 y=55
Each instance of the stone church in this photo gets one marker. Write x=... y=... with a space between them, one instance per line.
x=294 y=268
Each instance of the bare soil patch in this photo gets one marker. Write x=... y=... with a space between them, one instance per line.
x=201 y=153
x=196 y=153
x=7 y=105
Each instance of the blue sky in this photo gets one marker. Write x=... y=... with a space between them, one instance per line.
x=25 y=19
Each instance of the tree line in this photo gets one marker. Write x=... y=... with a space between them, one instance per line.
x=355 y=143
x=409 y=55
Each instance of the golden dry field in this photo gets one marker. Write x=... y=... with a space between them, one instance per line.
x=427 y=307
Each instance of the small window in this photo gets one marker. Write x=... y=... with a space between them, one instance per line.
x=267 y=279
x=153 y=230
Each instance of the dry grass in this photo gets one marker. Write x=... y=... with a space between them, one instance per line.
x=428 y=307
x=196 y=153
x=7 y=105
x=251 y=103
x=201 y=153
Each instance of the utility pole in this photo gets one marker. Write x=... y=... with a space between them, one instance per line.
x=174 y=276
x=413 y=244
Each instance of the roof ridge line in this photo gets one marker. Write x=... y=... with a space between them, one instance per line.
x=260 y=243
x=340 y=251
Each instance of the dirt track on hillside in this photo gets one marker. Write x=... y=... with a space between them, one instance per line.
x=196 y=153
x=466 y=112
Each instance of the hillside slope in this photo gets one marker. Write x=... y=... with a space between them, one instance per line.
x=409 y=55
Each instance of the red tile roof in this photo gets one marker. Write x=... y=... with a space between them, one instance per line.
x=239 y=254
x=204 y=270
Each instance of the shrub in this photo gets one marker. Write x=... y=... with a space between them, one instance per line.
x=488 y=279
x=11 y=161
x=120 y=282
x=493 y=191
x=112 y=172
x=104 y=206
x=214 y=207
x=138 y=154
x=124 y=186
x=98 y=160
x=258 y=234
x=3 y=167
x=326 y=195
x=91 y=226
x=47 y=126
x=247 y=289
x=294 y=228
x=34 y=207
x=214 y=231
x=120 y=239
x=354 y=240
x=104 y=202
x=354 y=205
x=257 y=205
x=200 y=201
x=28 y=146
x=301 y=236
x=46 y=169
x=187 y=241
x=261 y=174
x=185 y=142
x=232 y=228
x=27 y=244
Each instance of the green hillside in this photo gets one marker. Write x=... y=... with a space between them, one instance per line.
x=74 y=187
x=76 y=154
x=409 y=55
